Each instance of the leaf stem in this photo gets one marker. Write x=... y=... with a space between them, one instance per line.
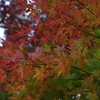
x=81 y=70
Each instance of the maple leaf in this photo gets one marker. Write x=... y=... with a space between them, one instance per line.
x=97 y=53
x=17 y=55
x=21 y=72
x=34 y=54
x=3 y=76
x=77 y=91
x=28 y=98
x=27 y=71
x=14 y=74
x=87 y=82
x=40 y=73
x=63 y=9
x=8 y=87
x=38 y=52
x=59 y=48
x=96 y=73
x=46 y=48
x=63 y=67
x=91 y=96
x=3 y=63
x=66 y=37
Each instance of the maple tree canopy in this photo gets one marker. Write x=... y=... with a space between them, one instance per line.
x=51 y=51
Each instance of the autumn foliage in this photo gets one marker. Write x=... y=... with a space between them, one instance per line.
x=54 y=55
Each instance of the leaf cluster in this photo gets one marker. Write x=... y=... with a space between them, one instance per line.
x=56 y=57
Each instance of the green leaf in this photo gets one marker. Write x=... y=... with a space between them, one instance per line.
x=97 y=53
x=46 y=47
x=23 y=93
x=3 y=95
x=96 y=73
x=50 y=94
x=71 y=76
x=97 y=32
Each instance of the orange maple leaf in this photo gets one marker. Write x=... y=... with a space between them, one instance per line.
x=41 y=73
x=63 y=67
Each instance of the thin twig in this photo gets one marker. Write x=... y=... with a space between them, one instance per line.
x=86 y=8
x=75 y=79
x=82 y=70
x=85 y=31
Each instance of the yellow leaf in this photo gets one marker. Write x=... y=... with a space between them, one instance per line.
x=21 y=48
x=40 y=73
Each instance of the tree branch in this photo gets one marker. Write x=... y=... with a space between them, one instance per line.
x=82 y=70
x=86 y=8
x=75 y=79
x=85 y=31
